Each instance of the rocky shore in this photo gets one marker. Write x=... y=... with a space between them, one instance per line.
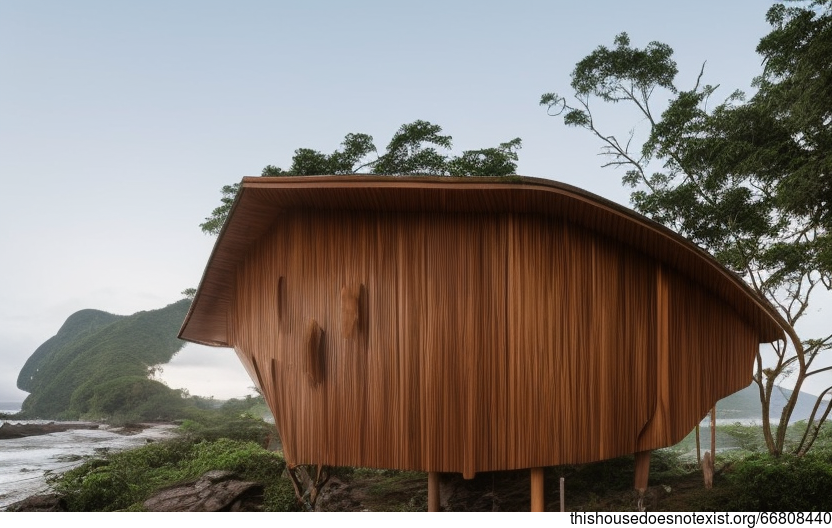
x=10 y=430
x=215 y=491
x=28 y=451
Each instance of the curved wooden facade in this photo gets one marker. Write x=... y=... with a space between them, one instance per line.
x=466 y=325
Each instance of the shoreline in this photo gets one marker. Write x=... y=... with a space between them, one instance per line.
x=25 y=462
x=10 y=430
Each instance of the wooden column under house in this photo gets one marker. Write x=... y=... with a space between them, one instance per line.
x=471 y=324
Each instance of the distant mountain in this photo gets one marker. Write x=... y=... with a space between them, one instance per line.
x=53 y=355
x=744 y=406
x=97 y=365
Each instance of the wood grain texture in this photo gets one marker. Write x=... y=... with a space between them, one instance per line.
x=261 y=200
x=474 y=335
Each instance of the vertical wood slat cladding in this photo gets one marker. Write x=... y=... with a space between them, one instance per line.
x=712 y=359
x=582 y=311
x=484 y=342
x=705 y=352
x=261 y=199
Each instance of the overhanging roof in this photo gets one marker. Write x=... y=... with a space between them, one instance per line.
x=261 y=199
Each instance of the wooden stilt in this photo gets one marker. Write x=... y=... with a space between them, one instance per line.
x=713 y=434
x=708 y=470
x=698 y=448
x=433 y=491
x=710 y=456
x=642 y=470
x=538 y=503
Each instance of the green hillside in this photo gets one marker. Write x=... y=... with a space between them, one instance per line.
x=97 y=365
x=744 y=406
x=50 y=354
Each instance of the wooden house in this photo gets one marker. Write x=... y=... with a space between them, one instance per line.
x=471 y=324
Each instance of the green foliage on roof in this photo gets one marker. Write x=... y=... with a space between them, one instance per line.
x=416 y=148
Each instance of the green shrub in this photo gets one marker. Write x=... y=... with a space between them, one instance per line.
x=214 y=425
x=745 y=437
x=764 y=483
x=128 y=398
x=124 y=480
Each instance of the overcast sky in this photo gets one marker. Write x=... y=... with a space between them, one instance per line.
x=121 y=121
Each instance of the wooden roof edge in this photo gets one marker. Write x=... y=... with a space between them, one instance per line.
x=183 y=329
x=761 y=302
x=526 y=182
x=350 y=180
x=205 y=342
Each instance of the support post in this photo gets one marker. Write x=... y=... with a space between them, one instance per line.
x=710 y=456
x=713 y=434
x=433 y=491
x=642 y=470
x=698 y=448
x=538 y=502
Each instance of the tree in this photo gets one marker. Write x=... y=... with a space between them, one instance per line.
x=747 y=180
x=415 y=148
x=213 y=224
x=796 y=87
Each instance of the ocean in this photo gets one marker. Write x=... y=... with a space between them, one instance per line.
x=9 y=408
x=25 y=462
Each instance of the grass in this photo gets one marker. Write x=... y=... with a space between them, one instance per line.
x=123 y=481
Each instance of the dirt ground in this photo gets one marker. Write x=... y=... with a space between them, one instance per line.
x=586 y=489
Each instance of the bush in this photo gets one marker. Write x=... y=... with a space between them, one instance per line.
x=788 y=483
x=124 y=480
x=214 y=426
x=745 y=437
x=127 y=398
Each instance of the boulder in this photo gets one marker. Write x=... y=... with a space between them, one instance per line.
x=213 y=491
x=39 y=503
x=10 y=430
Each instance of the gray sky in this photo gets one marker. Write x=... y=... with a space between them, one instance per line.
x=120 y=121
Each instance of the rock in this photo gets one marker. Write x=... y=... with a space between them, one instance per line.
x=131 y=428
x=337 y=496
x=10 y=430
x=39 y=503
x=213 y=491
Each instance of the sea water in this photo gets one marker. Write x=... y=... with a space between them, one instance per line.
x=25 y=462
x=9 y=408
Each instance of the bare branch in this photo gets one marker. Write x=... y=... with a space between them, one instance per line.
x=812 y=430
x=818 y=371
